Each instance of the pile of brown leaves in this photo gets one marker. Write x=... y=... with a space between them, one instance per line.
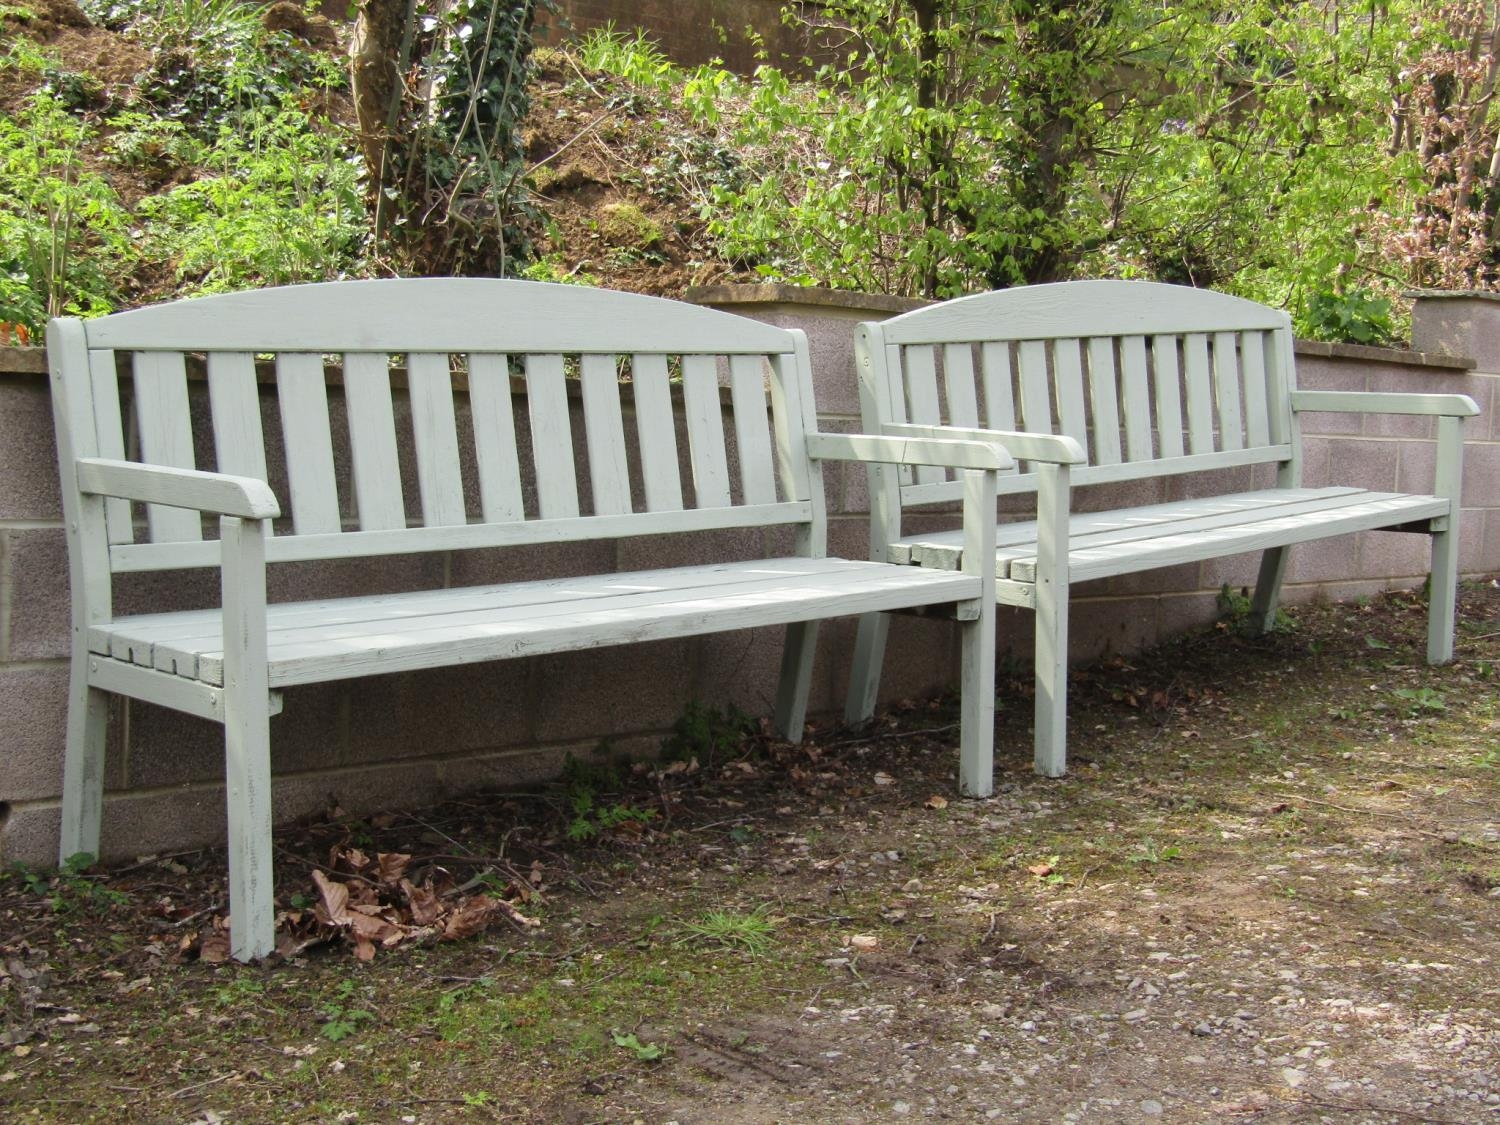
x=372 y=903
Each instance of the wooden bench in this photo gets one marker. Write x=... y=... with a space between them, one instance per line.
x=679 y=456
x=1095 y=382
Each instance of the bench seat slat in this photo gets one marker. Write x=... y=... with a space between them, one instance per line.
x=1103 y=544
x=414 y=631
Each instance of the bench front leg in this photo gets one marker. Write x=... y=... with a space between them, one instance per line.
x=1442 y=593
x=83 y=762
x=1051 y=736
x=247 y=739
x=976 y=751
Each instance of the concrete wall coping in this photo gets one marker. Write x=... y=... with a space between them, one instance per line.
x=804 y=296
x=1403 y=356
x=1452 y=295
x=22 y=361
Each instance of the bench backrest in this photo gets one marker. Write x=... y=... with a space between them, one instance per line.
x=479 y=451
x=1149 y=378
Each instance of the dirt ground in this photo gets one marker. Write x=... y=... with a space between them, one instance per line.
x=1269 y=890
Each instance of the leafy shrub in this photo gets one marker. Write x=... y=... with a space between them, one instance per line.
x=284 y=206
x=64 y=235
x=1352 y=317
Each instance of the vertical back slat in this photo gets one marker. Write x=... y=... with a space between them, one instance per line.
x=551 y=437
x=1036 y=398
x=166 y=429
x=1067 y=367
x=1253 y=367
x=1200 y=393
x=234 y=401
x=1105 y=399
x=747 y=388
x=303 y=396
x=1136 y=389
x=922 y=400
x=604 y=431
x=1227 y=391
x=109 y=433
x=1168 y=396
x=958 y=379
x=656 y=438
x=372 y=440
x=705 y=427
x=495 y=438
x=794 y=415
x=435 y=430
x=999 y=392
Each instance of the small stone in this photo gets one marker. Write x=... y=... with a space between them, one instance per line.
x=1292 y=1076
x=1152 y=1108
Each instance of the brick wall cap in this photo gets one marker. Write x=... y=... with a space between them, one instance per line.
x=1451 y=295
x=779 y=293
x=1402 y=356
x=22 y=361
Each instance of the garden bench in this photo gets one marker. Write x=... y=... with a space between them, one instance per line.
x=481 y=472
x=1094 y=382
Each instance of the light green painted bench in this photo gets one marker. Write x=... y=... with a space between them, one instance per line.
x=1093 y=382
x=156 y=511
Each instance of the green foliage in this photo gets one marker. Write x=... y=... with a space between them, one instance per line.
x=283 y=206
x=450 y=178
x=585 y=782
x=751 y=933
x=643 y=1052
x=707 y=734
x=64 y=235
x=1417 y=702
x=342 y=1017
x=70 y=890
x=1352 y=317
x=633 y=57
x=1150 y=853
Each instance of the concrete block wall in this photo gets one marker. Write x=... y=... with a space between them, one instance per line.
x=402 y=741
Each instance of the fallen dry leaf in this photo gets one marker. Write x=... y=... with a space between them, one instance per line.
x=936 y=802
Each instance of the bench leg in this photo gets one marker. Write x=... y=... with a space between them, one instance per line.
x=796 y=679
x=247 y=742
x=1268 y=588
x=1442 y=595
x=976 y=751
x=864 y=670
x=83 y=764
x=1051 y=739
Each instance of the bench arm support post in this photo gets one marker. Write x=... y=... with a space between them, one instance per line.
x=247 y=738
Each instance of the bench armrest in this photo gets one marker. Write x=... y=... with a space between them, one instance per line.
x=940 y=450
x=1054 y=448
x=1386 y=402
x=216 y=493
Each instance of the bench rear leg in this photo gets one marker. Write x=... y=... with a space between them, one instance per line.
x=1442 y=594
x=865 y=668
x=83 y=765
x=1268 y=589
x=796 y=679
